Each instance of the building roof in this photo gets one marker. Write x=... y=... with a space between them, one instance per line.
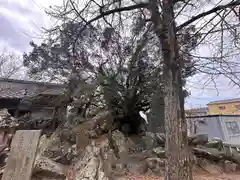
x=202 y=109
x=12 y=93
x=30 y=82
x=197 y=111
x=225 y=101
x=52 y=91
x=216 y=115
x=12 y=88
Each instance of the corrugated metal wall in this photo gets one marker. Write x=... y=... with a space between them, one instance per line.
x=232 y=139
x=211 y=126
x=215 y=127
x=206 y=125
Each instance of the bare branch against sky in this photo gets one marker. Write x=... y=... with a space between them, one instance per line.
x=11 y=66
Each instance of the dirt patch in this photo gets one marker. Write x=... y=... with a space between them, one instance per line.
x=199 y=177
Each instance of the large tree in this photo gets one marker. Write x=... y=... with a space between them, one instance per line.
x=159 y=20
x=125 y=70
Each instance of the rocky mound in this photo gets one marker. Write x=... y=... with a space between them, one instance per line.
x=94 y=150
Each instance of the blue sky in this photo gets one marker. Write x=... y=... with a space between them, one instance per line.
x=201 y=94
x=21 y=22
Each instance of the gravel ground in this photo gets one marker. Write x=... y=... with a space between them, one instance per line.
x=199 y=177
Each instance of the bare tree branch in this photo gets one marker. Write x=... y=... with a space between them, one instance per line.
x=10 y=65
x=204 y=14
x=116 y=10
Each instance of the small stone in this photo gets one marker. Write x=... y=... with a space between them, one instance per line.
x=229 y=166
x=159 y=151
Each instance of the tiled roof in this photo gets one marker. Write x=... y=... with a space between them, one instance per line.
x=55 y=91
x=11 y=93
x=225 y=101
x=11 y=88
x=29 y=82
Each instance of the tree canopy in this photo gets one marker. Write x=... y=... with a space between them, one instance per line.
x=127 y=51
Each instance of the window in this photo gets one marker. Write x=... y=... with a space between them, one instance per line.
x=238 y=107
x=232 y=128
x=221 y=107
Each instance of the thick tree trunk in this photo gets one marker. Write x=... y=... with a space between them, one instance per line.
x=177 y=159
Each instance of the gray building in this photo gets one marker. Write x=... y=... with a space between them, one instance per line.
x=225 y=127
